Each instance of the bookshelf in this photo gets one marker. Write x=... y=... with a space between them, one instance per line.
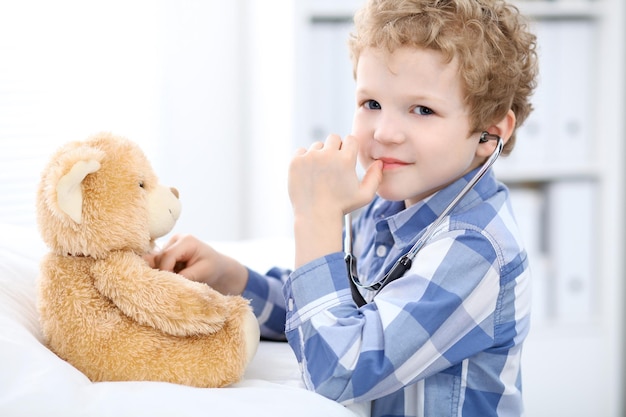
x=565 y=176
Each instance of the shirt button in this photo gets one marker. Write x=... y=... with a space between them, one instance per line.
x=381 y=251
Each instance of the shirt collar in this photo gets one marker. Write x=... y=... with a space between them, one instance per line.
x=404 y=222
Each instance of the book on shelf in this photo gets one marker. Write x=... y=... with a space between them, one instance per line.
x=556 y=225
x=571 y=210
x=529 y=210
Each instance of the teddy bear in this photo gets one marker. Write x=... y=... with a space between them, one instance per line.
x=102 y=308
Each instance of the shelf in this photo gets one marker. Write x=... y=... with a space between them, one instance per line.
x=545 y=174
x=561 y=9
x=332 y=10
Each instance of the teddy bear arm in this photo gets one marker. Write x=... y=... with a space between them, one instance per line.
x=160 y=299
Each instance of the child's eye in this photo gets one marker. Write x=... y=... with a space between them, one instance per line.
x=423 y=111
x=372 y=105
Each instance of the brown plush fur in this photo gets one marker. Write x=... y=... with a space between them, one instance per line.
x=102 y=308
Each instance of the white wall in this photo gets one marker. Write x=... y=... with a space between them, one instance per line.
x=204 y=86
x=200 y=114
x=70 y=68
x=270 y=48
x=226 y=115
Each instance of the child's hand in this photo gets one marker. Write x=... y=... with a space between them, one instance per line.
x=324 y=178
x=195 y=260
x=323 y=186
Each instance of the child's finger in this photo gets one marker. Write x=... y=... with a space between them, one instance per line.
x=316 y=146
x=333 y=142
x=371 y=180
x=150 y=259
x=170 y=258
x=300 y=152
x=350 y=145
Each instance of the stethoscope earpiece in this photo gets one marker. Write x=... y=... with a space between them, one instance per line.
x=486 y=137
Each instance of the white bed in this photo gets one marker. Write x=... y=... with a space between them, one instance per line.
x=35 y=382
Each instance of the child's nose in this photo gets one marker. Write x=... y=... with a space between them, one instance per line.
x=389 y=129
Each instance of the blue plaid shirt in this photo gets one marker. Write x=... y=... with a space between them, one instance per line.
x=443 y=340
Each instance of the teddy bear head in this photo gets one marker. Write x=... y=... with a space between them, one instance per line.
x=102 y=195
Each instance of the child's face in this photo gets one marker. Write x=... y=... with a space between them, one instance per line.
x=410 y=114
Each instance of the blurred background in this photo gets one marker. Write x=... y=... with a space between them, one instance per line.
x=205 y=87
x=219 y=94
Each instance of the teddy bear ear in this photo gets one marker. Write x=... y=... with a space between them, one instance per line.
x=69 y=190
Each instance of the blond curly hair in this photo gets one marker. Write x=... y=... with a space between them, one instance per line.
x=490 y=39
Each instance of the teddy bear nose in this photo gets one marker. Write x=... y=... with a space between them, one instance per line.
x=174 y=191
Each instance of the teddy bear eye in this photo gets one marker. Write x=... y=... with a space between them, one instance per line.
x=141 y=184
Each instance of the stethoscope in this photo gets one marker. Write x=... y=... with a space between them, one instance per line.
x=404 y=263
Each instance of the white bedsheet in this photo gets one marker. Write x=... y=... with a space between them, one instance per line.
x=35 y=382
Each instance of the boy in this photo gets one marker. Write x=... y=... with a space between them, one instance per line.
x=444 y=339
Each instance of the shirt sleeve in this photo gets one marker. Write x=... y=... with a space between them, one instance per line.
x=267 y=301
x=439 y=313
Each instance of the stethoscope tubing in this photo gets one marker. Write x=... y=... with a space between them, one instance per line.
x=404 y=263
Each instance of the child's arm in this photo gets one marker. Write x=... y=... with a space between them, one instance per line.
x=267 y=301
x=425 y=322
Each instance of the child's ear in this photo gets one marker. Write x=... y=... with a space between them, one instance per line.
x=504 y=128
